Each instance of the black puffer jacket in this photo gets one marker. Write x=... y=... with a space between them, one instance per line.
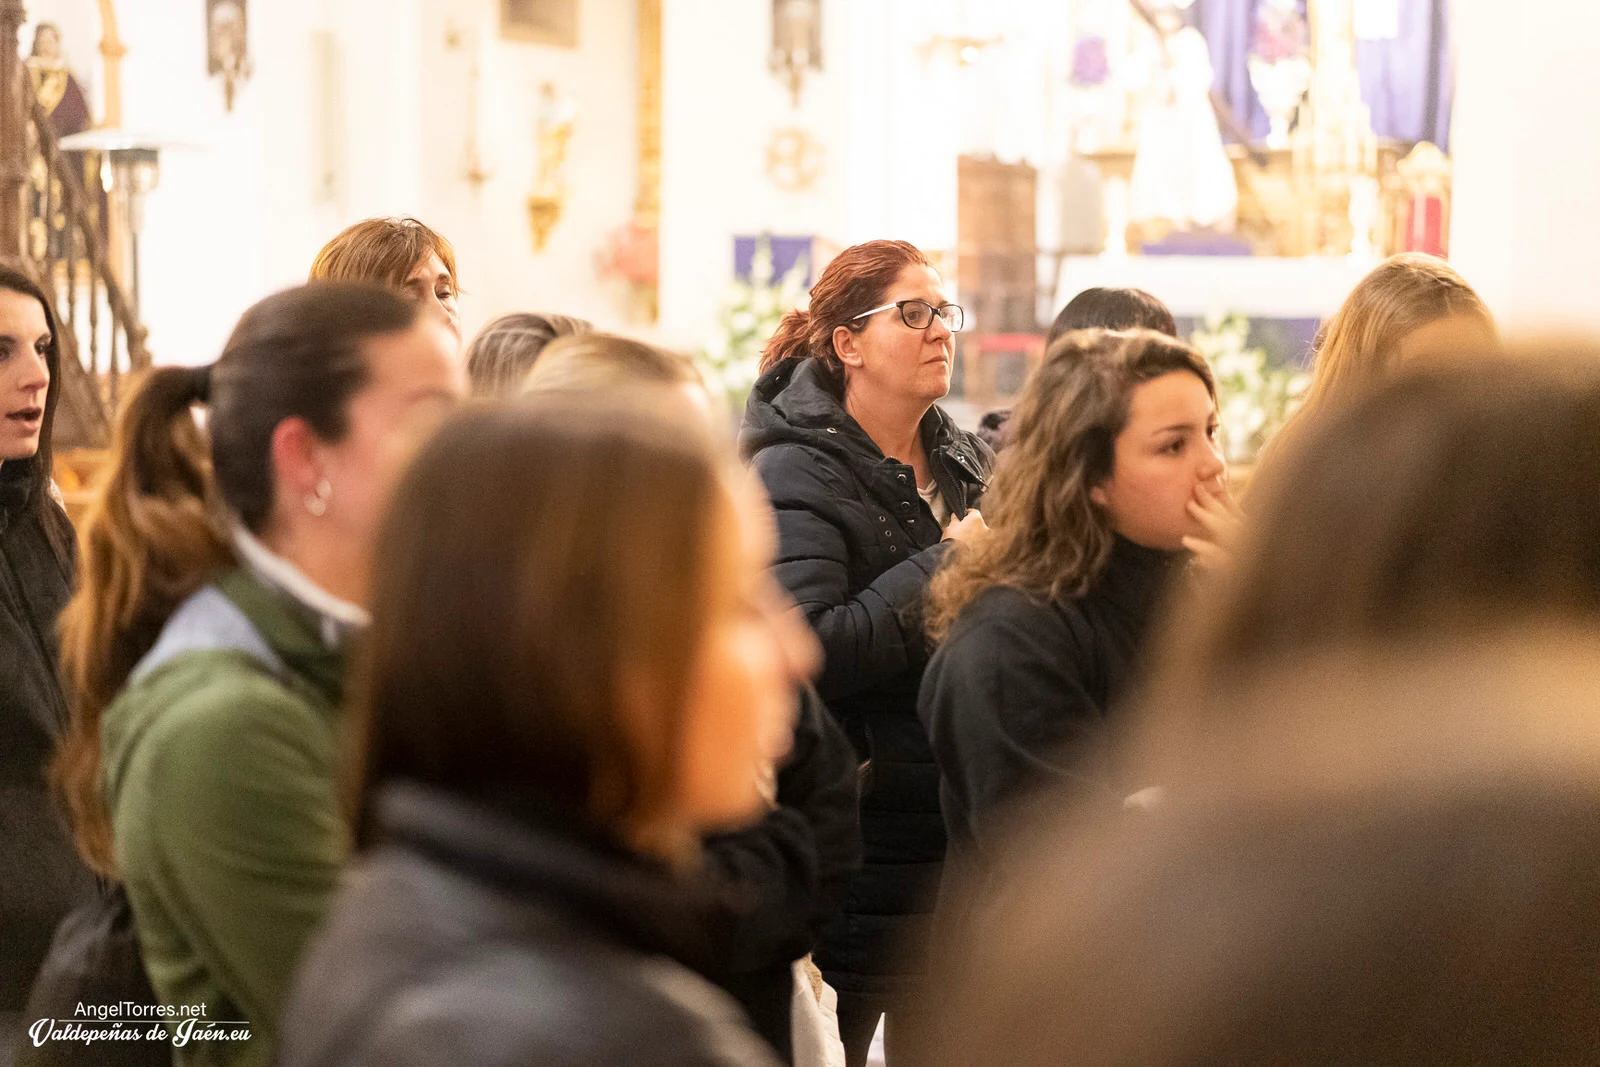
x=857 y=546
x=786 y=873
x=41 y=877
x=1016 y=699
x=473 y=935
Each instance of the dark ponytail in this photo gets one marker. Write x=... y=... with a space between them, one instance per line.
x=158 y=528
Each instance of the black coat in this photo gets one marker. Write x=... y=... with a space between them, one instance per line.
x=857 y=546
x=472 y=935
x=41 y=877
x=1016 y=698
x=786 y=873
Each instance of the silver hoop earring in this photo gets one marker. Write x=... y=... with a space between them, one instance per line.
x=317 y=503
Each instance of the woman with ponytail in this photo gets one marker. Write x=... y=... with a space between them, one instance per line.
x=869 y=479
x=40 y=877
x=224 y=571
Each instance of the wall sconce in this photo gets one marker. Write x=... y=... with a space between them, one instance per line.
x=551 y=134
x=796 y=42
x=228 y=45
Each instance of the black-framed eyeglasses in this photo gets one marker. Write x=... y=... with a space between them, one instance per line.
x=918 y=314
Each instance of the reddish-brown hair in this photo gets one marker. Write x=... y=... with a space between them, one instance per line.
x=855 y=281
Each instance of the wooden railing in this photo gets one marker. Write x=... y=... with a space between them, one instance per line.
x=60 y=231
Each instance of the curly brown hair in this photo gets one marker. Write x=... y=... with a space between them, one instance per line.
x=1047 y=537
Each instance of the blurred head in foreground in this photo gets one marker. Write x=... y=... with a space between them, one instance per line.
x=625 y=657
x=500 y=356
x=1459 y=496
x=1386 y=856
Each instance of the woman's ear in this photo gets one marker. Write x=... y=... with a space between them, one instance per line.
x=1098 y=495
x=296 y=464
x=845 y=347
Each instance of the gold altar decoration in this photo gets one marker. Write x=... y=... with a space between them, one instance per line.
x=1334 y=153
x=1419 y=201
x=794 y=160
x=1335 y=189
x=644 y=306
x=554 y=129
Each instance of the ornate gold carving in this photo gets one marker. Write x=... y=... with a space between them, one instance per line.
x=794 y=159
x=647 y=204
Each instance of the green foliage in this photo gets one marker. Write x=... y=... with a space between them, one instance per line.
x=1254 y=398
x=750 y=315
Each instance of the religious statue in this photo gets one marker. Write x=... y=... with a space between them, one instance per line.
x=228 y=45
x=1181 y=172
x=54 y=85
x=554 y=120
x=796 y=42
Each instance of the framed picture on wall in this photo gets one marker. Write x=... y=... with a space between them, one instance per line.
x=553 y=22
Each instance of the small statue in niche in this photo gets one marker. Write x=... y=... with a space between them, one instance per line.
x=553 y=122
x=796 y=42
x=54 y=85
x=1181 y=171
x=228 y=45
x=61 y=96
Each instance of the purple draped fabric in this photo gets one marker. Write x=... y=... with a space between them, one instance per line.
x=1407 y=82
x=1228 y=26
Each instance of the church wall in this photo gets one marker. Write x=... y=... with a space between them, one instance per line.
x=1526 y=226
x=242 y=206
x=488 y=221
x=247 y=197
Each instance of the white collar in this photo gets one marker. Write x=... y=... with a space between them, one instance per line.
x=339 y=617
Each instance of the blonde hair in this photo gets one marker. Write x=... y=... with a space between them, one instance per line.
x=500 y=357
x=1360 y=345
x=607 y=361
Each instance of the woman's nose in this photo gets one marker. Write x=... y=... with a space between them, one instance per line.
x=37 y=376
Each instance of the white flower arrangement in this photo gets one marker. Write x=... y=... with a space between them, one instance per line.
x=750 y=315
x=1254 y=398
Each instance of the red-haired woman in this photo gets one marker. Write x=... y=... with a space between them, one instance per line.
x=869 y=477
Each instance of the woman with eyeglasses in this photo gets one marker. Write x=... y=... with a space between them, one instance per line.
x=870 y=479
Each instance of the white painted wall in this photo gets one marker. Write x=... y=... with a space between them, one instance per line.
x=1526 y=227
x=489 y=224
x=720 y=107
x=893 y=119
x=242 y=208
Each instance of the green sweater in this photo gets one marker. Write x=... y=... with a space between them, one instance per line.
x=220 y=774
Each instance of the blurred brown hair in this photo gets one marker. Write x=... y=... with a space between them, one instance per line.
x=1047 y=537
x=510 y=639
x=1388 y=855
x=1456 y=495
